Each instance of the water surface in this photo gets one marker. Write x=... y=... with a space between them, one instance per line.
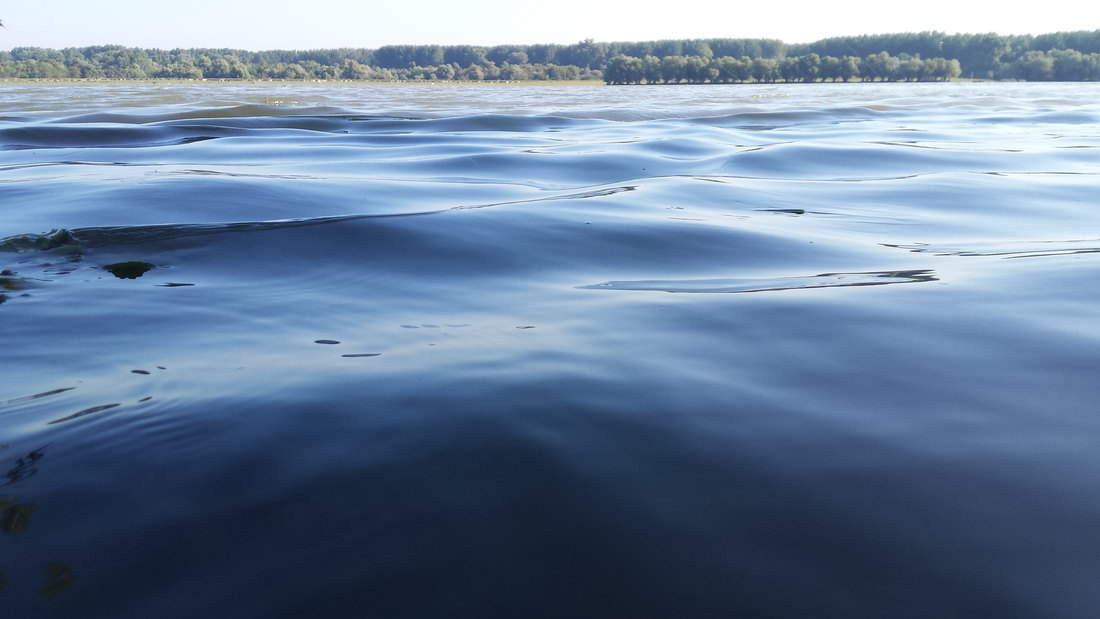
x=419 y=351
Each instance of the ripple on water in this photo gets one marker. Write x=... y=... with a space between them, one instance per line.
x=363 y=329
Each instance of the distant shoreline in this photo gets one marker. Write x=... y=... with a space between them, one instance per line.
x=105 y=80
x=902 y=57
x=425 y=83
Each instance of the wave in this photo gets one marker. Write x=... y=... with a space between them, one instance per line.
x=1007 y=249
x=771 y=284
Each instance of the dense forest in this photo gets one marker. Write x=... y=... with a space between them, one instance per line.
x=924 y=56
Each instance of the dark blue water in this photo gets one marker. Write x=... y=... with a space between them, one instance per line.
x=344 y=351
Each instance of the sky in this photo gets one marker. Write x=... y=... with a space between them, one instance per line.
x=316 y=24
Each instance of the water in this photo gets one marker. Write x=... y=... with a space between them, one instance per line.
x=474 y=351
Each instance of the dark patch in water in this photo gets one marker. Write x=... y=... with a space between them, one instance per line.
x=25 y=466
x=326 y=341
x=59 y=577
x=197 y=138
x=789 y=211
x=128 y=270
x=14 y=519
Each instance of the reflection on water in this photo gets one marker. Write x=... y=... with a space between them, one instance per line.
x=15 y=519
x=59 y=577
x=355 y=344
x=25 y=466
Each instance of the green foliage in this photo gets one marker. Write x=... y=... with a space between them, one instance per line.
x=919 y=56
x=623 y=69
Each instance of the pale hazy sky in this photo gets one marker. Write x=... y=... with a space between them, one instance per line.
x=311 y=24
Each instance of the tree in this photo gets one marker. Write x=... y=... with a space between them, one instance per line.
x=743 y=69
x=543 y=53
x=473 y=73
x=511 y=72
x=849 y=68
x=809 y=66
x=445 y=72
x=672 y=69
x=941 y=69
x=789 y=69
x=512 y=54
x=464 y=55
x=697 y=70
x=984 y=55
x=698 y=48
x=588 y=54
x=1072 y=65
x=353 y=70
x=765 y=70
x=293 y=71
x=830 y=68
x=563 y=72
x=623 y=69
x=910 y=69
x=1071 y=56
x=881 y=66
x=731 y=69
x=651 y=66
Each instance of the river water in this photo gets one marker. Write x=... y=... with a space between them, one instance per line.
x=306 y=350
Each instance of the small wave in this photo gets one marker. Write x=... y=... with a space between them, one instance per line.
x=113 y=130
x=783 y=118
x=1007 y=249
x=101 y=236
x=822 y=280
x=246 y=111
x=84 y=413
x=45 y=136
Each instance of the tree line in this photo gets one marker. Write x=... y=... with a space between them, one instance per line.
x=1071 y=56
x=623 y=69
